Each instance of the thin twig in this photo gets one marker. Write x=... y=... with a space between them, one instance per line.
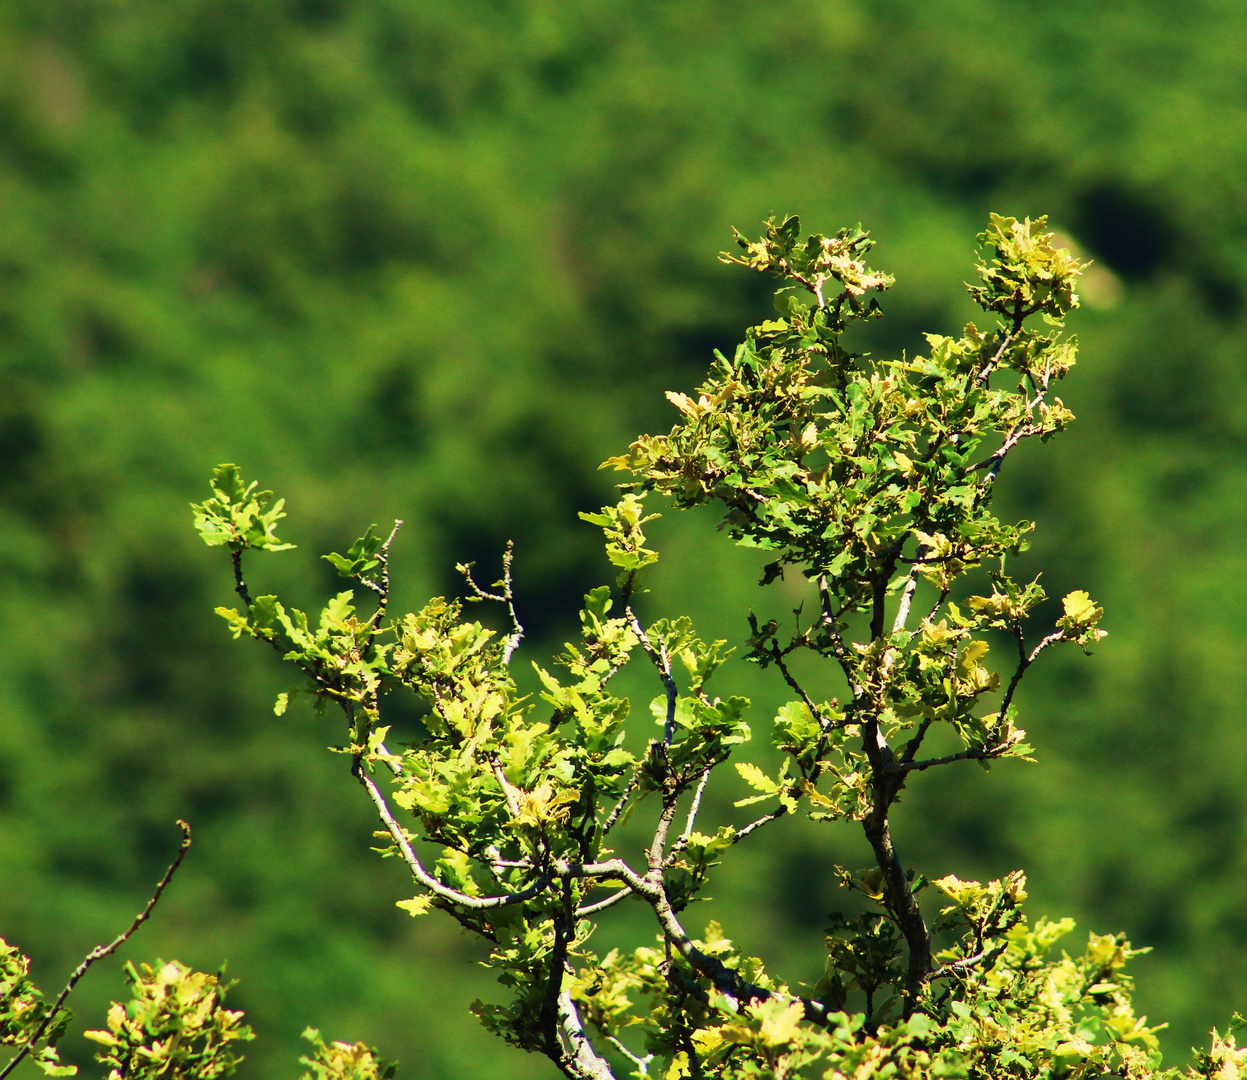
x=618 y=808
x=602 y=905
x=975 y=753
x=824 y=722
x=960 y=967
x=915 y=743
x=753 y=826
x=508 y=789
x=662 y=662
x=382 y=590
x=641 y=1063
x=1024 y=662
x=101 y=951
x=939 y=603
x=682 y=842
x=240 y=587
x=507 y=597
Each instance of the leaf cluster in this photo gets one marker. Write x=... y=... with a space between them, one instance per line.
x=175 y=1024
x=25 y=1017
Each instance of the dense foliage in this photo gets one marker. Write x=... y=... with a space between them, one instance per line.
x=872 y=480
x=434 y=261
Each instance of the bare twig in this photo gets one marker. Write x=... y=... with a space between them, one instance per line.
x=754 y=826
x=939 y=603
x=240 y=587
x=101 y=951
x=824 y=599
x=507 y=597
x=960 y=967
x=907 y=597
x=641 y=1063
x=1024 y=661
x=508 y=789
x=618 y=808
x=824 y=721
x=695 y=806
x=912 y=747
x=383 y=589
x=662 y=662
x=602 y=905
x=975 y=753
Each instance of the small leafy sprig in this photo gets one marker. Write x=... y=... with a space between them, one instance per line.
x=26 y=1019
x=176 y=1024
x=343 y=1061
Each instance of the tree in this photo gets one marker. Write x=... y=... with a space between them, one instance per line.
x=870 y=483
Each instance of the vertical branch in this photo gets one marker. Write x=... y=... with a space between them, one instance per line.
x=517 y=631
x=660 y=659
x=240 y=586
x=907 y=597
x=656 y=855
x=900 y=900
x=564 y=925
x=383 y=590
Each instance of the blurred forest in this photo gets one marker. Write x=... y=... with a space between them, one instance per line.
x=436 y=261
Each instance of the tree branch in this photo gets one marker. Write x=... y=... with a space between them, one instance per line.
x=974 y=753
x=907 y=597
x=507 y=597
x=101 y=951
x=726 y=981
x=656 y=855
x=617 y=809
x=476 y=903
x=1024 y=661
x=585 y=1062
x=695 y=806
x=754 y=826
x=602 y=905
x=663 y=663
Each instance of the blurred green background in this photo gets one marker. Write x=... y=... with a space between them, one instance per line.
x=437 y=260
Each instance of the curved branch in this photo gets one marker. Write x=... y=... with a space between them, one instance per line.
x=602 y=905
x=694 y=807
x=443 y=892
x=507 y=597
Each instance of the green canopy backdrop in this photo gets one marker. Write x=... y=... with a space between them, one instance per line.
x=436 y=261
